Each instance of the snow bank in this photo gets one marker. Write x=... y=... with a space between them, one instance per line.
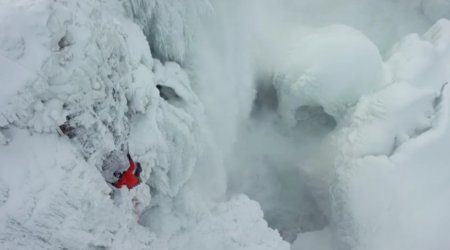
x=190 y=223
x=241 y=220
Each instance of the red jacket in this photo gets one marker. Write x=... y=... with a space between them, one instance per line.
x=128 y=178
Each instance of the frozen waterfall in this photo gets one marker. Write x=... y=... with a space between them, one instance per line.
x=260 y=124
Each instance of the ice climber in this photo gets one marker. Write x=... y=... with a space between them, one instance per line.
x=130 y=177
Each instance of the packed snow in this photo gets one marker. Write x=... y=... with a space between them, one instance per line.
x=260 y=125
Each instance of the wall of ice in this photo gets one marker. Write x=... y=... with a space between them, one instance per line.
x=308 y=79
x=87 y=65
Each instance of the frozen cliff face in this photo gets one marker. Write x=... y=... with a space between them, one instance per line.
x=388 y=152
x=73 y=65
x=51 y=198
x=85 y=69
x=98 y=79
x=328 y=139
x=317 y=155
x=168 y=25
x=414 y=123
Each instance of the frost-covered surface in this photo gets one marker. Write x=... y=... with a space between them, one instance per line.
x=316 y=72
x=389 y=191
x=332 y=138
x=87 y=65
x=52 y=199
x=363 y=98
x=397 y=198
x=168 y=25
x=189 y=223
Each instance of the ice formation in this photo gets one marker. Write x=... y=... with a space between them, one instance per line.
x=259 y=124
